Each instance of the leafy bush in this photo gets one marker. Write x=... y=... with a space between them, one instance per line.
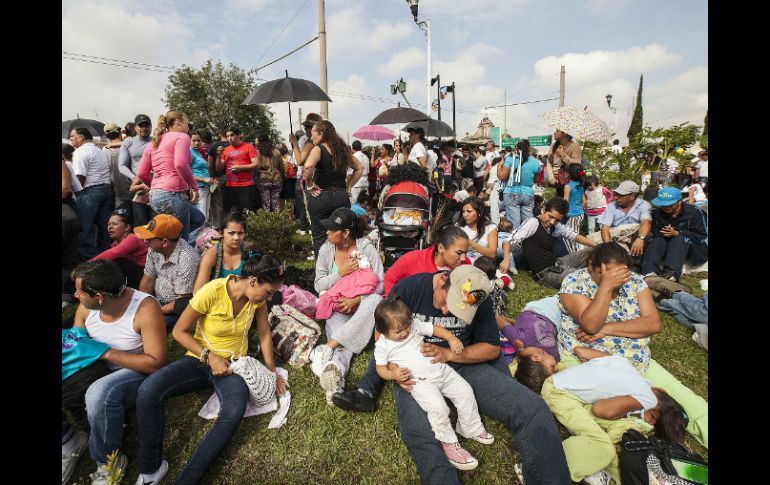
x=273 y=232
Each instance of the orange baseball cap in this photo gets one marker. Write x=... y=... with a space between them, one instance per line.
x=164 y=226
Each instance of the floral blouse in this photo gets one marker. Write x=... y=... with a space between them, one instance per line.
x=623 y=307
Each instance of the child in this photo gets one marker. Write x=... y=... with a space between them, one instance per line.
x=591 y=399
x=538 y=205
x=595 y=200
x=504 y=234
x=362 y=204
x=499 y=302
x=573 y=193
x=399 y=343
x=534 y=327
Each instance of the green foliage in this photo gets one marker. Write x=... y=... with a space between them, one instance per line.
x=704 y=138
x=667 y=140
x=273 y=232
x=611 y=168
x=637 y=121
x=212 y=95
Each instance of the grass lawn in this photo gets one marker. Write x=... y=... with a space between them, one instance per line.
x=323 y=444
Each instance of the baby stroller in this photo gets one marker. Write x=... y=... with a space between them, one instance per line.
x=405 y=220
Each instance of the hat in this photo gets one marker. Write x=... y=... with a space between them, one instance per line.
x=627 y=187
x=142 y=119
x=469 y=287
x=164 y=226
x=342 y=218
x=109 y=127
x=311 y=119
x=667 y=196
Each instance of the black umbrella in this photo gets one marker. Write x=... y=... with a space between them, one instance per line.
x=95 y=127
x=398 y=115
x=431 y=128
x=286 y=89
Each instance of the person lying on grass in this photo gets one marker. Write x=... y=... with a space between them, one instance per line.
x=399 y=345
x=595 y=401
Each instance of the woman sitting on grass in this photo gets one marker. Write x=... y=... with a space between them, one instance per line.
x=595 y=401
x=474 y=220
x=350 y=327
x=608 y=308
x=128 y=251
x=222 y=313
x=228 y=255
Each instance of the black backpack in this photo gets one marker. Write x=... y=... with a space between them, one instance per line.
x=671 y=463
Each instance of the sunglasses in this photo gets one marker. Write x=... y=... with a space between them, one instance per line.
x=120 y=212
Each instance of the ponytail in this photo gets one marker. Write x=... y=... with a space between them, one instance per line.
x=161 y=128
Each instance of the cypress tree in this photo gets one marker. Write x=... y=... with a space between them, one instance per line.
x=636 y=122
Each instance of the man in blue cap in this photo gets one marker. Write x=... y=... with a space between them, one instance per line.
x=678 y=233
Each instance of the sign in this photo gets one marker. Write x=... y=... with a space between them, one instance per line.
x=434 y=105
x=509 y=142
x=540 y=141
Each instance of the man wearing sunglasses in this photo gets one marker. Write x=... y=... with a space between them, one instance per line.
x=459 y=301
x=131 y=150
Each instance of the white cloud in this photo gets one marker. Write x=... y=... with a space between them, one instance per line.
x=349 y=32
x=401 y=62
x=243 y=6
x=606 y=7
x=595 y=66
x=678 y=99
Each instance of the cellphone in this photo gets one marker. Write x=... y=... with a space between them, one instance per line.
x=695 y=472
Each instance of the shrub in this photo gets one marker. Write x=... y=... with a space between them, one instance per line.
x=273 y=232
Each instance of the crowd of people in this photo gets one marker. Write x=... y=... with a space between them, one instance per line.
x=131 y=214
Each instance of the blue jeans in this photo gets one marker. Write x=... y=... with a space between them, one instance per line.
x=94 y=206
x=178 y=205
x=503 y=399
x=183 y=377
x=518 y=208
x=106 y=401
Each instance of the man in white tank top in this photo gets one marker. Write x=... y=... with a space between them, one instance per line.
x=133 y=327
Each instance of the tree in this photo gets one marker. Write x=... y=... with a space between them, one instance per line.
x=704 y=138
x=636 y=122
x=211 y=96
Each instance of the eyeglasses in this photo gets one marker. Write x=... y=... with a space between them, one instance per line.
x=474 y=297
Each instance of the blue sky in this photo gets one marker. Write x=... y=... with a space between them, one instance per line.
x=484 y=46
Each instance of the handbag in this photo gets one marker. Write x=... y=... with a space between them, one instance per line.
x=259 y=379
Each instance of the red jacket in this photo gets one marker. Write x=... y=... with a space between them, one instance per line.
x=411 y=263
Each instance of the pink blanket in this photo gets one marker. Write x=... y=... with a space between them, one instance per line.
x=359 y=282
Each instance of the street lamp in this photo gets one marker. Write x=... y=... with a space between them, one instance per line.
x=614 y=112
x=433 y=81
x=425 y=27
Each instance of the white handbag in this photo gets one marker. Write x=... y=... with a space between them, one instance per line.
x=259 y=379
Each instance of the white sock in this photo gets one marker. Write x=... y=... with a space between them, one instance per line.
x=151 y=477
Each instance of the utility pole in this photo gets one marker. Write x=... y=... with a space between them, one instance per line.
x=561 y=87
x=299 y=110
x=454 y=95
x=437 y=79
x=505 y=110
x=322 y=44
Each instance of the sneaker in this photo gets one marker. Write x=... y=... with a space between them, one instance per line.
x=519 y=471
x=485 y=438
x=354 y=400
x=331 y=379
x=665 y=286
x=459 y=457
x=599 y=478
x=319 y=357
x=102 y=474
x=155 y=477
x=68 y=462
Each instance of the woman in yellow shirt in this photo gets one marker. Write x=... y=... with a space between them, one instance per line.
x=221 y=313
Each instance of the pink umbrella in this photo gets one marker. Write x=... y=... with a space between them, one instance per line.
x=374 y=132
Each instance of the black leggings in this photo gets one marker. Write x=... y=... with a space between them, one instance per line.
x=321 y=207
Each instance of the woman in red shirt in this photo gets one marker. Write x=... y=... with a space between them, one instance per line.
x=128 y=251
x=448 y=253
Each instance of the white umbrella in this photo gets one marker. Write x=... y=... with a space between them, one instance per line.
x=579 y=123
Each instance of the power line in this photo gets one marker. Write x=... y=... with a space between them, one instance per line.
x=523 y=102
x=172 y=68
x=116 y=65
x=281 y=32
x=257 y=69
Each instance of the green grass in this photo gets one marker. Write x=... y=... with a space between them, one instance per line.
x=321 y=444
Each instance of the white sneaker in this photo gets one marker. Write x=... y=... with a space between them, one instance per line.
x=68 y=462
x=155 y=478
x=519 y=471
x=102 y=474
x=319 y=357
x=485 y=438
x=331 y=378
x=599 y=478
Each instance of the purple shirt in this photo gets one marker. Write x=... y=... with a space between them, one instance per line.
x=534 y=330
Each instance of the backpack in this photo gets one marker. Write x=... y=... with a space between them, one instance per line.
x=648 y=461
x=294 y=335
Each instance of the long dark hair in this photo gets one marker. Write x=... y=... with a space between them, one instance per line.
x=672 y=419
x=341 y=153
x=576 y=173
x=481 y=224
x=266 y=268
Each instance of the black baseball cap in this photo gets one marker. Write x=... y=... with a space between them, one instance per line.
x=142 y=119
x=342 y=218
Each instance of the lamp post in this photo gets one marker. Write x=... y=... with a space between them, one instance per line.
x=614 y=112
x=434 y=80
x=425 y=27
